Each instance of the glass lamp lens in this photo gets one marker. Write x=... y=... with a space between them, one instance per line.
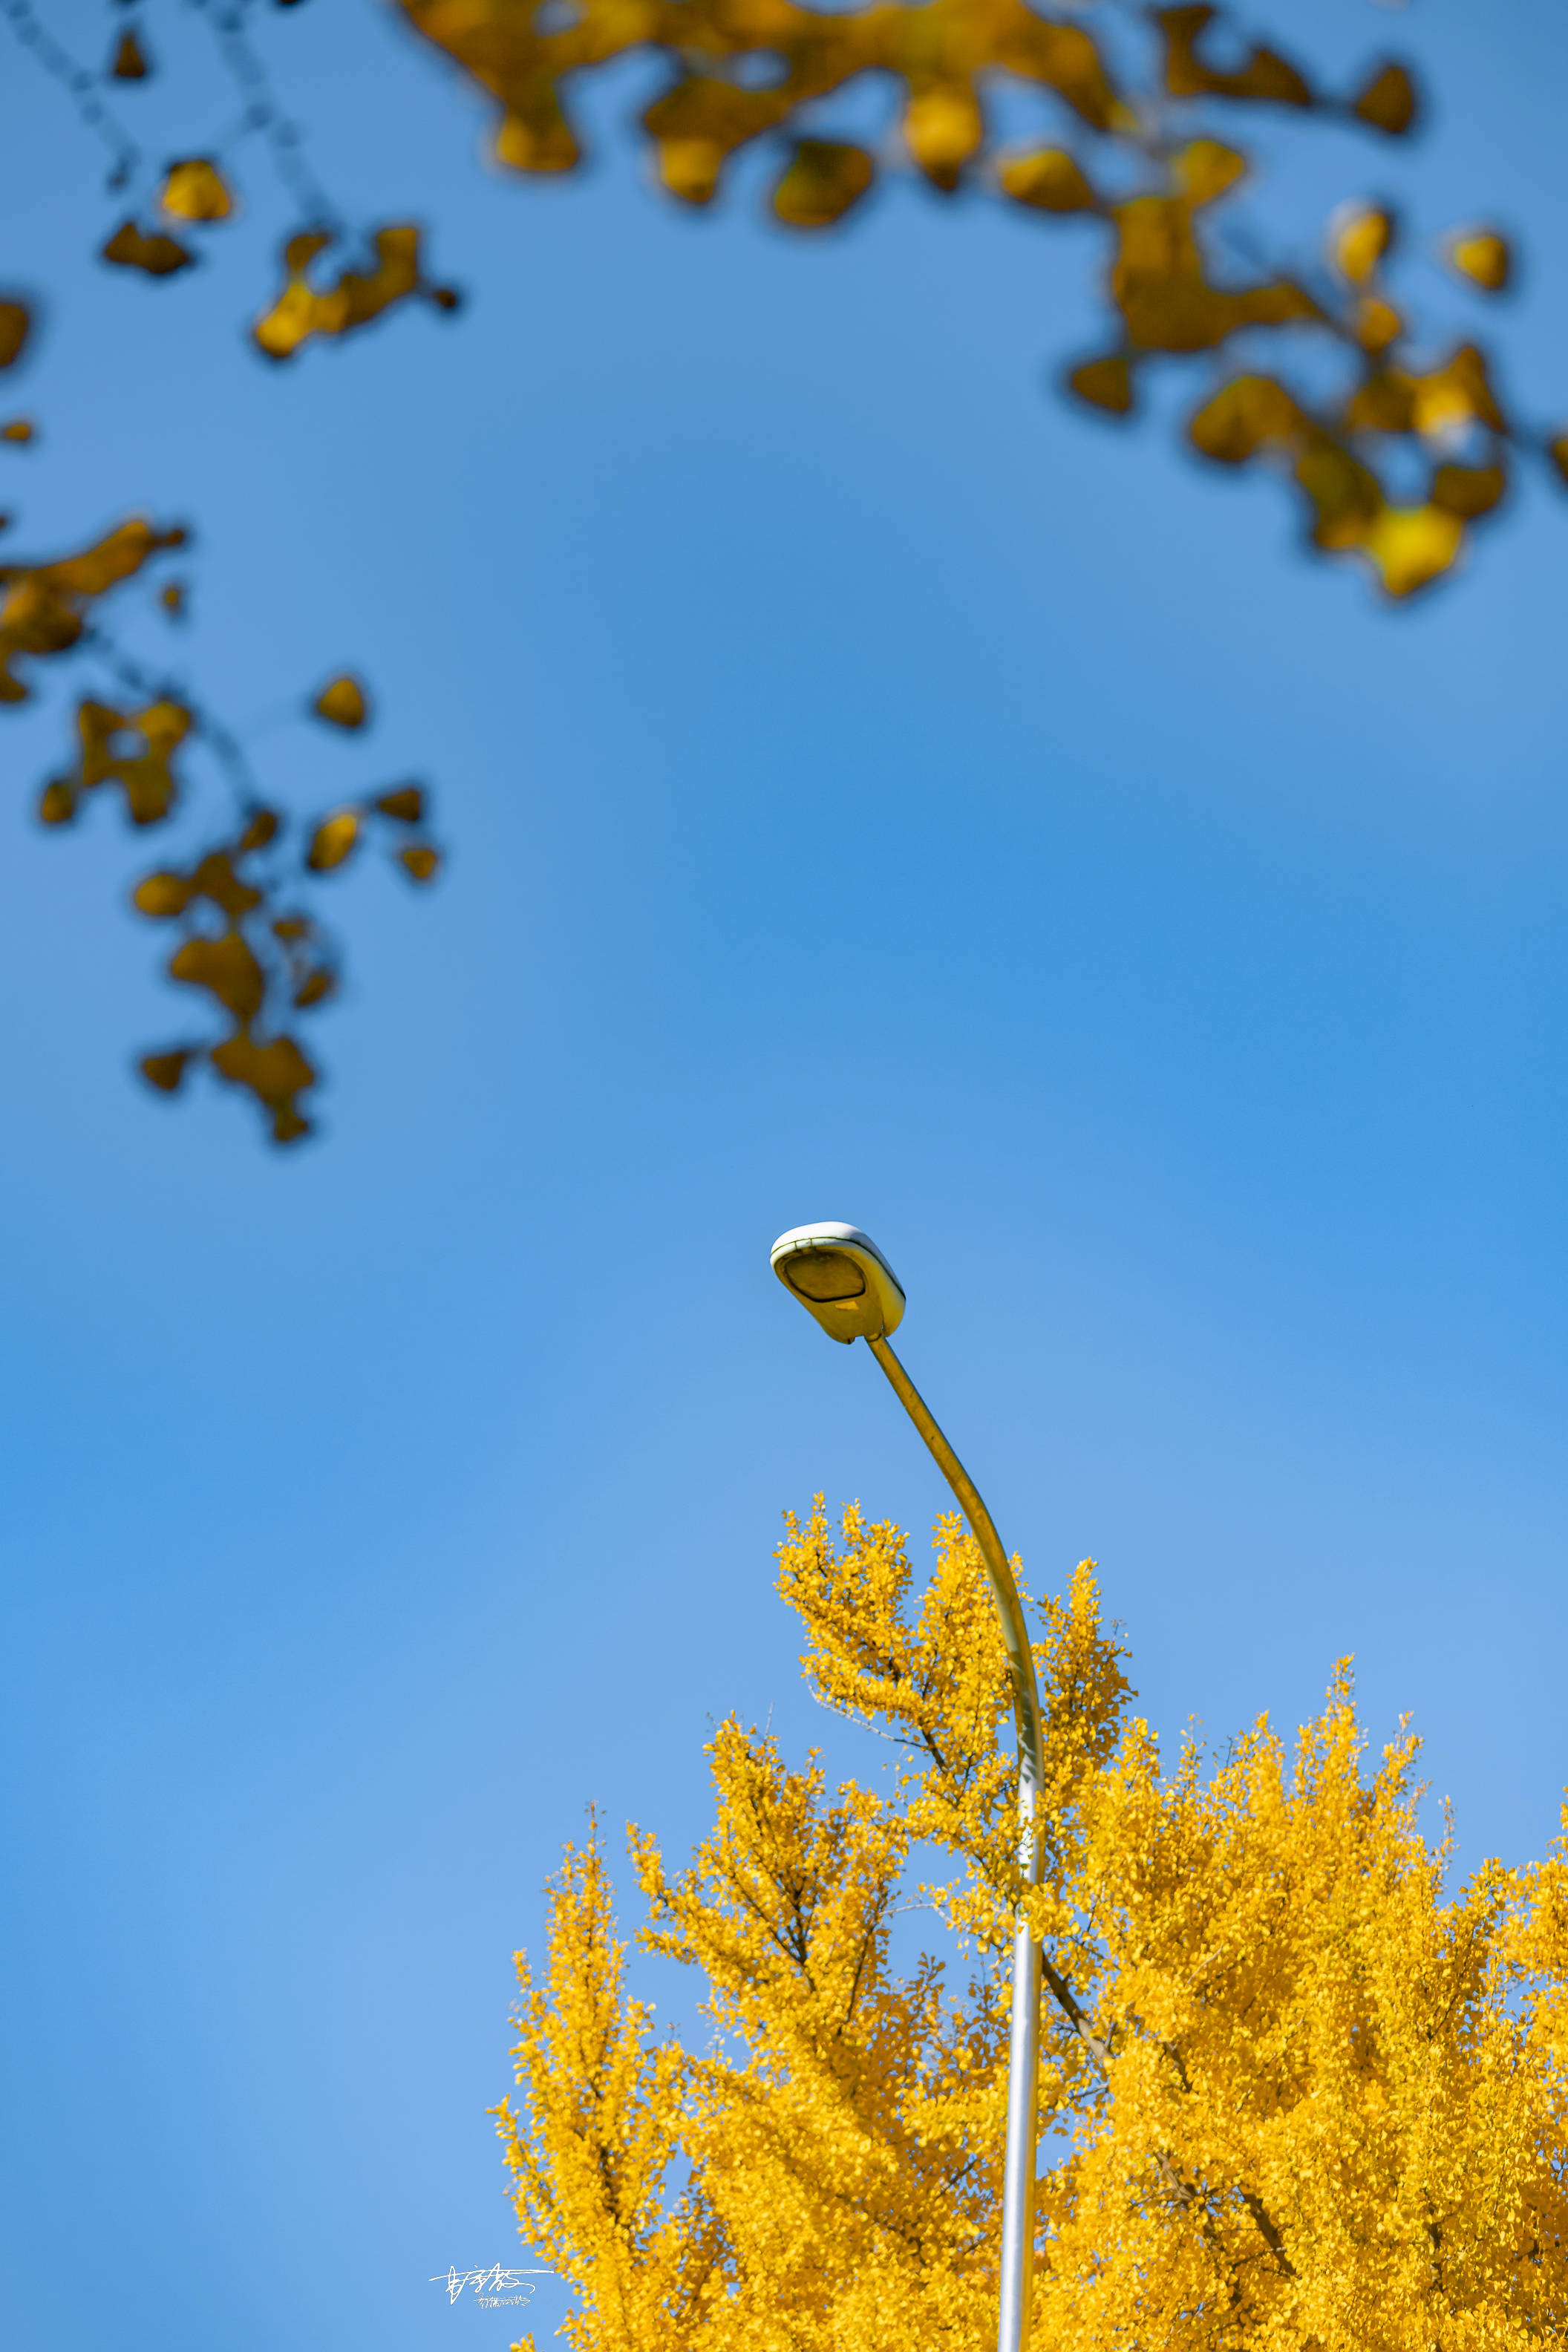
x=825 y=1275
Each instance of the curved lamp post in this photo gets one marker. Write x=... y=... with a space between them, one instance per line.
x=841 y=1277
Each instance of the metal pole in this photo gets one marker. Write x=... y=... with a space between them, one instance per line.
x=1024 y=2050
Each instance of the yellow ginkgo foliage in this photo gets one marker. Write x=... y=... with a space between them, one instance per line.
x=1297 y=2094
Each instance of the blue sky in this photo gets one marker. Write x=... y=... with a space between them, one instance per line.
x=874 y=791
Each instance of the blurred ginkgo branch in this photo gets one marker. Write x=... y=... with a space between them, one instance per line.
x=1394 y=434
x=1392 y=431
x=247 y=939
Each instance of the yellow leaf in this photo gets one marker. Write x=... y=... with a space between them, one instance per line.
x=130 y=60
x=158 y=255
x=1359 y=237
x=1345 y=495
x=824 y=178
x=291 y=322
x=262 y=828
x=1557 y=450
x=1377 y=324
x=1265 y=77
x=1051 y=180
x=1413 y=546
x=118 y=556
x=58 y=802
x=1456 y=395
x=357 y=296
x=1251 y=413
x=110 y=753
x=689 y=168
x=406 y=805
x=195 y=190
x=1104 y=384
x=274 y=1070
x=172 y=597
x=1206 y=169
x=342 y=703
x=15 y=324
x=20 y=428
x=944 y=127
x=1483 y=256
x=421 y=862
x=333 y=840
x=162 y=896
x=166 y=1071
x=1468 y=491
x=227 y=967
x=540 y=139
x=215 y=878
x=1388 y=101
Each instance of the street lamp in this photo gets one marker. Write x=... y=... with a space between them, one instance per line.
x=841 y=1277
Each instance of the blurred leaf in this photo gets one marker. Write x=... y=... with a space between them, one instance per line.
x=142 y=766
x=944 y=129
x=1359 y=237
x=172 y=598
x=158 y=255
x=131 y=61
x=1265 y=77
x=824 y=178
x=167 y=1071
x=1388 y=104
x=20 y=428
x=1160 y=284
x=58 y=802
x=333 y=840
x=275 y=1071
x=1411 y=546
x=1250 y=413
x=537 y=138
x=421 y=862
x=1483 y=256
x=1050 y=179
x=195 y=190
x=342 y=703
x=43 y=608
x=15 y=324
x=1104 y=384
x=1377 y=324
x=263 y=827
x=1468 y=491
x=690 y=169
x=227 y=967
x=1457 y=394
x=1207 y=169
x=162 y=896
x=1557 y=450
x=1345 y=494
x=405 y=805
x=353 y=299
x=118 y=556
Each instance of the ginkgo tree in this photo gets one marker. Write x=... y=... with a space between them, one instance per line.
x=1296 y=2090
x=1391 y=426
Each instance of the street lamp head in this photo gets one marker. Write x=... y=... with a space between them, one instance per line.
x=839 y=1274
